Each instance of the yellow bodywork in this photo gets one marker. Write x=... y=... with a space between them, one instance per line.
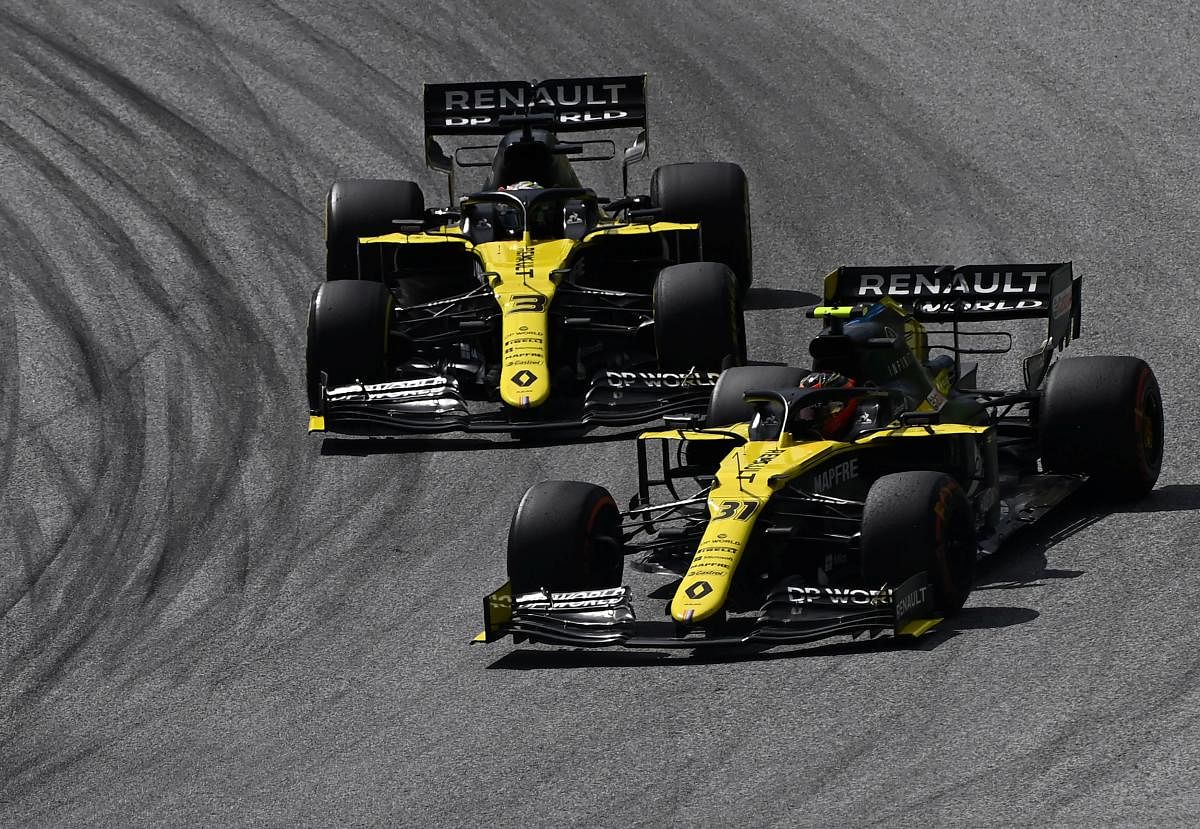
x=690 y=434
x=522 y=275
x=497 y=612
x=524 y=286
x=917 y=627
x=745 y=481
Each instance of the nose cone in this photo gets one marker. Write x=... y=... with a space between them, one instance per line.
x=526 y=387
x=705 y=587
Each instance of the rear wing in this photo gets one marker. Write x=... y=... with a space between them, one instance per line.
x=576 y=105
x=561 y=105
x=943 y=293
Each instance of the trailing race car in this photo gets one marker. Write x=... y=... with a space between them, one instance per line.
x=852 y=498
x=534 y=293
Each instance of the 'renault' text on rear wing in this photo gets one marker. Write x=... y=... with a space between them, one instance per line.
x=573 y=104
x=944 y=293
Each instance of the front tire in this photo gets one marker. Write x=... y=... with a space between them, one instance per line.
x=348 y=332
x=565 y=535
x=1103 y=417
x=914 y=521
x=697 y=318
x=727 y=406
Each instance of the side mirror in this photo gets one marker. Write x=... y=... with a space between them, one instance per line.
x=436 y=157
x=637 y=151
x=633 y=154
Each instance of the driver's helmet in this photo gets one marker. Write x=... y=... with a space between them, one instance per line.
x=520 y=185
x=830 y=419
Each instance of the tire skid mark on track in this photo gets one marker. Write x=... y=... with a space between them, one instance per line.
x=162 y=570
x=260 y=74
x=60 y=310
x=122 y=244
x=163 y=117
x=102 y=373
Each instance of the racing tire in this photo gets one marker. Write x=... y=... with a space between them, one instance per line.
x=564 y=536
x=698 y=321
x=364 y=207
x=727 y=406
x=347 y=335
x=1103 y=417
x=717 y=195
x=914 y=521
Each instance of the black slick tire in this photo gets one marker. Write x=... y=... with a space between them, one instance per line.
x=1103 y=417
x=914 y=521
x=717 y=195
x=565 y=536
x=364 y=207
x=698 y=320
x=727 y=405
x=348 y=324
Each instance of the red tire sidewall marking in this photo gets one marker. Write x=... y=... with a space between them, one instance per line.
x=588 y=554
x=1139 y=423
x=939 y=536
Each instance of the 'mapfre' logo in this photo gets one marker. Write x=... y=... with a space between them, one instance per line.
x=837 y=474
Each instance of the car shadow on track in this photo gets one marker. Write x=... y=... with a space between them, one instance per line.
x=771 y=299
x=1169 y=498
x=351 y=446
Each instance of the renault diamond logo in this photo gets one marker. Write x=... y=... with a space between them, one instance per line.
x=524 y=378
x=699 y=590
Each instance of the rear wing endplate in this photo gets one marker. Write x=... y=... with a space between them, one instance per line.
x=944 y=293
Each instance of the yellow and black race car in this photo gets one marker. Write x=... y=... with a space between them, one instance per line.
x=855 y=497
x=533 y=302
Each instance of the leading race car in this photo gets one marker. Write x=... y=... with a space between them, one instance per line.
x=533 y=302
x=855 y=497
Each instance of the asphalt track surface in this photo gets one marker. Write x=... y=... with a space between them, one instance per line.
x=207 y=616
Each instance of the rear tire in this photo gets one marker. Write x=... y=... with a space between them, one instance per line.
x=348 y=325
x=727 y=407
x=565 y=535
x=697 y=318
x=914 y=521
x=1103 y=417
x=717 y=195
x=364 y=207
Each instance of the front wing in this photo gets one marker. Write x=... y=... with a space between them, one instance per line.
x=791 y=615
x=435 y=404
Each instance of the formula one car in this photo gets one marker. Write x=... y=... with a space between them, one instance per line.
x=853 y=498
x=534 y=293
